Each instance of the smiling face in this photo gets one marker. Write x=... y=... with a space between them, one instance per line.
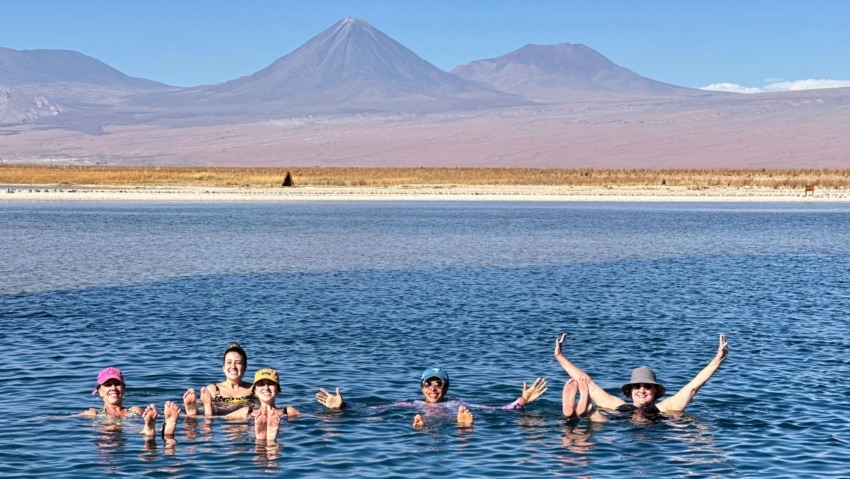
x=434 y=390
x=234 y=366
x=112 y=392
x=266 y=391
x=643 y=394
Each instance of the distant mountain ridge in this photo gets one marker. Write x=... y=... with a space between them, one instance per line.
x=352 y=96
x=551 y=72
x=24 y=67
x=350 y=67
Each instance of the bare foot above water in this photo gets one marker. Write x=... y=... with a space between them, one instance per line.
x=149 y=415
x=260 y=425
x=418 y=422
x=464 y=417
x=584 y=397
x=190 y=402
x=171 y=411
x=568 y=398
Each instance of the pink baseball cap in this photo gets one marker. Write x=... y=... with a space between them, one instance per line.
x=105 y=375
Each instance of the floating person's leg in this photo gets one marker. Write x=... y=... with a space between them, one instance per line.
x=568 y=398
x=584 y=396
x=272 y=426
x=171 y=411
x=260 y=425
x=149 y=415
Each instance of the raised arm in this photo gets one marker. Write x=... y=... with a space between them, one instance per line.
x=680 y=400
x=532 y=393
x=330 y=401
x=597 y=394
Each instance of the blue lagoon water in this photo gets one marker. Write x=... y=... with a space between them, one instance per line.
x=366 y=295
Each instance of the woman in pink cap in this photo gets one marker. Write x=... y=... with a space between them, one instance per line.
x=643 y=389
x=111 y=386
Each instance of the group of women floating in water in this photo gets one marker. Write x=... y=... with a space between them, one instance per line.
x=237 y=399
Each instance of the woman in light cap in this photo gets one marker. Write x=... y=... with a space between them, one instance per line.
x=643 y=388
x=267 y=415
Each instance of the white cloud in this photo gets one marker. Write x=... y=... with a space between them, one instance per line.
x=810 y=84
x=776 y=85
x=730 y=87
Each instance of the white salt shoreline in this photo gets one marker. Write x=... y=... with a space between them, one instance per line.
x=16 y=193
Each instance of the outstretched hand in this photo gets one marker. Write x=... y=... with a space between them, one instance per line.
x=559 y=343
x=330 y=401
x=530 y=394
x=722 y=349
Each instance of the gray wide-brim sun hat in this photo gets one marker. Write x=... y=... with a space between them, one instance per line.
x=643 y=375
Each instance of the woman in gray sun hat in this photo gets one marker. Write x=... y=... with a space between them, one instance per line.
x=643 y=388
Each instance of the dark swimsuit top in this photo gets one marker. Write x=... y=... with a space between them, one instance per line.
x=652 y=409
x=648 y=413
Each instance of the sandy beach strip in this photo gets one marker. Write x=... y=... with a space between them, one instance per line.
x=29 y=193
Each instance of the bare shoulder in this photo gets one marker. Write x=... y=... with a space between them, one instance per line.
x=89 y=413
x=291 y=412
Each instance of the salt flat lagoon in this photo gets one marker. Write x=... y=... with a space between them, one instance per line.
x=365 y=295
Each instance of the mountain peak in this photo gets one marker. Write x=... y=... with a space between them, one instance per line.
x=350 y=67
x=552 y=72
x=350 y=25
x=354 y=21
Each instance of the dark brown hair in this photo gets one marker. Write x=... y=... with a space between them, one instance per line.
x=235 y=347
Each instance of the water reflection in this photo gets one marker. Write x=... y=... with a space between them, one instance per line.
x=110 y=440
x=578 y=439
x=267 y=455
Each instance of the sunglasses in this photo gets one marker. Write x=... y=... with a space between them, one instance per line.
x=434 y=382
x=111 y=382
x=642 y=385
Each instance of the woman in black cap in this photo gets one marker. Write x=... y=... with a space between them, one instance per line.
x=643 y=388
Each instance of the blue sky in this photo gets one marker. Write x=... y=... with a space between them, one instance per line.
x=757 y=44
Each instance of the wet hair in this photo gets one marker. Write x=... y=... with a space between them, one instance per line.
x=236 y=348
